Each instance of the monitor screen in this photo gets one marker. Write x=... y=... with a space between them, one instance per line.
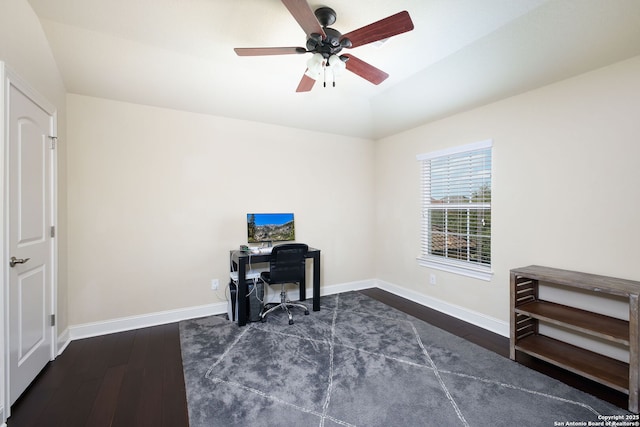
x=270 y=227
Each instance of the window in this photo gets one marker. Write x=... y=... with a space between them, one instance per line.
x=456 y=204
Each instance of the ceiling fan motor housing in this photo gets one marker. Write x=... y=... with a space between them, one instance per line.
x=333 y=43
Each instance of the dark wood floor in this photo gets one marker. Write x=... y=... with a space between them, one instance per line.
x=126 y=379
x=135 y=378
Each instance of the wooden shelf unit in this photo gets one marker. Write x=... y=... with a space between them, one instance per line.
x=527 y=311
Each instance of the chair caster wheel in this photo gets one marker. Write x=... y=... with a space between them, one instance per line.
x=263 y=320
x=306 y=313
x=291 y=321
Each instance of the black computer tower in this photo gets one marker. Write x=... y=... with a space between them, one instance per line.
x=255 y=300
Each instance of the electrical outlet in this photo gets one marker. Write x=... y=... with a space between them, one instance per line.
x=215 y=284
x=432 y=279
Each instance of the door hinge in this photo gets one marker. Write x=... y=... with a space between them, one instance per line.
x=54 y=140
x=53 y=320
x=53 y=231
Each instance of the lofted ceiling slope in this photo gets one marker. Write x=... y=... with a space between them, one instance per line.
x=179 y=54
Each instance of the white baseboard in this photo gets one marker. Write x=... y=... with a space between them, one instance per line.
x=64 y=339
x=93 y=329
x=88 y=330
x=273 y=293
x=345 y=287
x=478 y=319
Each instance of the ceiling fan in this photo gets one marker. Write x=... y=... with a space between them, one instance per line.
x=326 y=44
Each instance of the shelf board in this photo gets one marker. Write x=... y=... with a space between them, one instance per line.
x=587 y=322
x=577 y=279
x=602 y=369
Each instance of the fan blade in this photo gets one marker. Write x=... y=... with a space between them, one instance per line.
x=303 y=14
x=259 y=51
x=306 y=84
x=365 y=70
x=393 y=25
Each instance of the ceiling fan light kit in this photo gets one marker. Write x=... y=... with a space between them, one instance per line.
x=326 y=44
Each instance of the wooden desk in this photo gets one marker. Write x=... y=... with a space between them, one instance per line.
x=241 y=263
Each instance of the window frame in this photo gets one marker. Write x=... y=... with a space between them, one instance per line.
x=444 y=263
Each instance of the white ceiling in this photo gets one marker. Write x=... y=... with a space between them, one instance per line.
x=462 y=53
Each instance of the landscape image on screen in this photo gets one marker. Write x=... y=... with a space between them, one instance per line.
x=270 y=227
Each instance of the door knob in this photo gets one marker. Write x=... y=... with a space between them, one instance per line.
x=14 y=261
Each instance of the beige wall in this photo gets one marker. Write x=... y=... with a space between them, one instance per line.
x=157 y=198
x=565 y=186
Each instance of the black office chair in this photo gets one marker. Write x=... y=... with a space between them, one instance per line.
x=287 y=265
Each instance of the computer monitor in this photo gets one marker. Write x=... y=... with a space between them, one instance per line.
x=270 y=227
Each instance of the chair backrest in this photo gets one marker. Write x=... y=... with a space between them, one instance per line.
x=288 y=262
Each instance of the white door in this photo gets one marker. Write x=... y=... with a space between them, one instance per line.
x=30 y=242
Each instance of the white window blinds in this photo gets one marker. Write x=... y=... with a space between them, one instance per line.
x=456 y=203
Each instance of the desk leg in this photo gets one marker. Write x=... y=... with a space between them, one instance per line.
x=316 y=282
x=241 y=305
x=303 y=288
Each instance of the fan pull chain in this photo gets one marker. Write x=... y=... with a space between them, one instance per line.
x=324 y=72
x=324 y=76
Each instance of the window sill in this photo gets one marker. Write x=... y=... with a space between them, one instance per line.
x=457 y=268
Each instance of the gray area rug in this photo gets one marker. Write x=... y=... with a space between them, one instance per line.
x=359 y=362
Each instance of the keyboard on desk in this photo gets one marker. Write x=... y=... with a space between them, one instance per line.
x=262 y=251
